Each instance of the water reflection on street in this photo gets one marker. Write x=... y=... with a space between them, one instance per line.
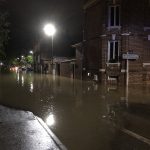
x=84 y=115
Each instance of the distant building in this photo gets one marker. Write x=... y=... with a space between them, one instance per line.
x=114 y=31
x=65 y=67
x=46 y=64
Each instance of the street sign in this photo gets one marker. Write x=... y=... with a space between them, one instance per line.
x=130 y=56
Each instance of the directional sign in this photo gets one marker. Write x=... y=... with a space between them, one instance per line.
x=130 y=56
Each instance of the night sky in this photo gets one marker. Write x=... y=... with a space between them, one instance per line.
x=27 y=18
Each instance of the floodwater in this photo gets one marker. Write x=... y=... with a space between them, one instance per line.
x=83 y=115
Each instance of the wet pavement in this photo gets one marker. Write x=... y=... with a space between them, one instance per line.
x=83 y=115
x=20 y=130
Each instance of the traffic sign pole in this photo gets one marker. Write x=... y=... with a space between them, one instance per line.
x=127 y=72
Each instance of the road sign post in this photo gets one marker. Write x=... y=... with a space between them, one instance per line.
x=129 y=56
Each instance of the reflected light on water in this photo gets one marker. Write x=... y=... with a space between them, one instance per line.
x=50 y=120
x=18 y=77
x=31 y=87
x=95 y=87
x=22 y=80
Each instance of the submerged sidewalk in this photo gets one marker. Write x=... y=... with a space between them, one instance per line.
x=20 y=130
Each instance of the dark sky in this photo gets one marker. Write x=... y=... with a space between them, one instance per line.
x=27 y=18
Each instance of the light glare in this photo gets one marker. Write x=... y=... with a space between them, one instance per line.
x=50 y=120
x=49 y=29
x=31 y=52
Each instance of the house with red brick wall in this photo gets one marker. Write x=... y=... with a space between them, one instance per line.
x=116 y=41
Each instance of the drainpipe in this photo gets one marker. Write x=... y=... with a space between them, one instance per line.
x=127 y=72
x=74 y=69
x=41 y=69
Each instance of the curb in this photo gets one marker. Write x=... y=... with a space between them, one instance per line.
x=51 y=134
x=137 y=136
x=133 y=134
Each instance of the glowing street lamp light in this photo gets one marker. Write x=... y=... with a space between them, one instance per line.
x=50 y=30
x=31 y=52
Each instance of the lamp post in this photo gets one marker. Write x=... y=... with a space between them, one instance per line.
x=50 y=30
x=31 y=52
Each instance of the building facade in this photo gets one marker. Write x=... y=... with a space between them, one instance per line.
x=116 y=41
x=45 y=63
x=79 y=60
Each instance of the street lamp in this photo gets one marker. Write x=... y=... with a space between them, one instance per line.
x=31 y=52
x=50 y=30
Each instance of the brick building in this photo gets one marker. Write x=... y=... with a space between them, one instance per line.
x=112 y=29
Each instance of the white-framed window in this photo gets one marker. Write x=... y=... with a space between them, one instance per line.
x=114 y=16
x=113 y=51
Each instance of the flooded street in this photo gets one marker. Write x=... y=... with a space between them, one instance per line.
x=83 y=115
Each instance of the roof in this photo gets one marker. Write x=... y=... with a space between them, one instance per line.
x=77 y=45
x=63 y=59
x=89 y=3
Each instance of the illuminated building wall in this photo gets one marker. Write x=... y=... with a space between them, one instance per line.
x=113 y=28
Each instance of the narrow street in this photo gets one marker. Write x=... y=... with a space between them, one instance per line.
x=83 y=115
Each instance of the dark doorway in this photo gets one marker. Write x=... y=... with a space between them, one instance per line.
x=58 y=69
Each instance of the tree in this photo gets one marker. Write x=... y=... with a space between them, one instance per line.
x=15 y=62
x=4 y=31
x=25 y=61
x=29 y=59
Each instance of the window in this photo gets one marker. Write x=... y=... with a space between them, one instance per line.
x=113 y=51
x=148 y=37
x=114 y=16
